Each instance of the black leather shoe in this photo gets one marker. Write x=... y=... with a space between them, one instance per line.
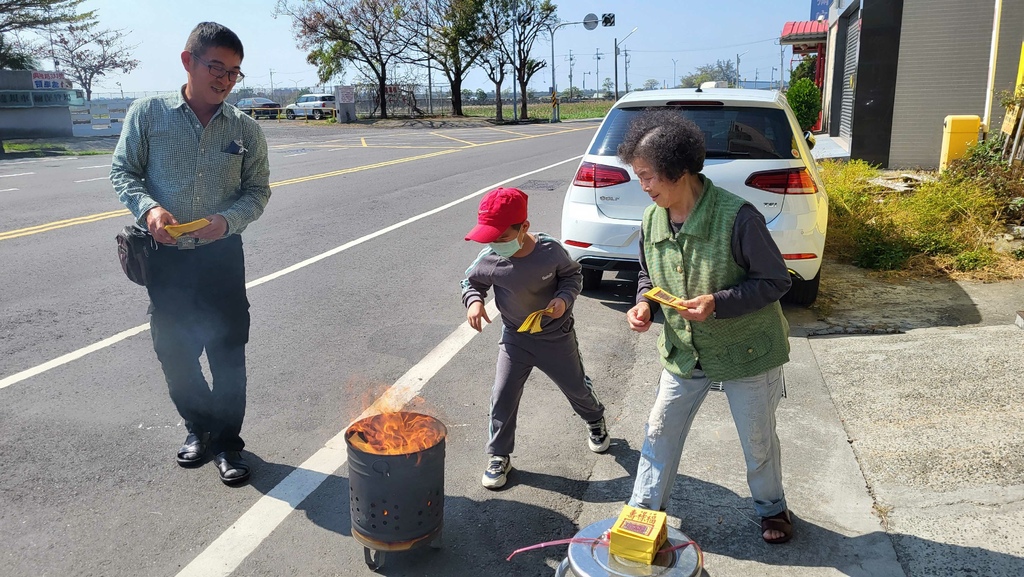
x=232 y=467
x=193 y=450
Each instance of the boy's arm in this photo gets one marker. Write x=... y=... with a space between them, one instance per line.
x=570 y=278
x=474 y=286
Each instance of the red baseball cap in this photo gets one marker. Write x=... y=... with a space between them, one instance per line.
x=499 y=209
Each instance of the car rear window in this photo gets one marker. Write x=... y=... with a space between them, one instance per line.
x=729 y=131
x=327 y=98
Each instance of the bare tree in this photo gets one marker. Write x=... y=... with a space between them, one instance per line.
x=88 y=53
x=364 y=32
x=651 y=83
x=530 y=17
x=453 y=34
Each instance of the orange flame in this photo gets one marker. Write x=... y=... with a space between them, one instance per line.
x=399 y=433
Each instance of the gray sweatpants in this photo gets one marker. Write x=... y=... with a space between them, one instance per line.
x=558 y=357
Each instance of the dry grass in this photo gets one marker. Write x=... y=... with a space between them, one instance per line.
x=953 y=225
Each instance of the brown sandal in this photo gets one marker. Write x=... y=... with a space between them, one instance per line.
x=779 y=522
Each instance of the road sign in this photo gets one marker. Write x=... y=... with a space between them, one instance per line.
x=607 y=20
x=590 y=21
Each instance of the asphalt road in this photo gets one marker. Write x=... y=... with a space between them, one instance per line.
x=89 y=483
x=900 y=434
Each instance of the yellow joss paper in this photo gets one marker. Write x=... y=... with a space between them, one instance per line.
x=638 y=534
x=176 y=230
x=532 y=322
x=664 y=297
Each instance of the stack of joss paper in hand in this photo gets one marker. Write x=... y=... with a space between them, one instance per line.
x=662 y=296
x=176 y=230
x=532 y=322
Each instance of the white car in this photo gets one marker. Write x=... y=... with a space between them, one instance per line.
x=315 y=106
x=755 y=149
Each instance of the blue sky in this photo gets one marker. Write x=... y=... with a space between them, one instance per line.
x=692 y=33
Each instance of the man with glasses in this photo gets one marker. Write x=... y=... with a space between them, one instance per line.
x=181 y=158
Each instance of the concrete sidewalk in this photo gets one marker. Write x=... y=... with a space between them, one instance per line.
x=901 y=457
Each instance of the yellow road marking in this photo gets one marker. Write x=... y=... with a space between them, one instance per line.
x=363 y=140
x=365 y=167
x=124 y=212
x=453 y=138
x=61 y=224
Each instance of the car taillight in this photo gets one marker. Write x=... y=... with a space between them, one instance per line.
x=599 y=175
x=577 y=243
x=790 y=181
x=799 y=256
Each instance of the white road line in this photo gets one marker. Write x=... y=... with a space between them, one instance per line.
x=296 y=154
x=228 y=551
x=97 y=166
x=92 y=179
x=17 y=174
x=64 y=359
x=8 y=190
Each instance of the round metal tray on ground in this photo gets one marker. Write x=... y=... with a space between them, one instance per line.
x=594 y=560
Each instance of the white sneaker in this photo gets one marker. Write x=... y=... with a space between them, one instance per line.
x=599 y=439
x=497 y=471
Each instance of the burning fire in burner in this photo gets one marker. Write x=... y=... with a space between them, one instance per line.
x=399 y=433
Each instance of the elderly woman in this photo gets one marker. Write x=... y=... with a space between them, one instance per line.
x=713 y=250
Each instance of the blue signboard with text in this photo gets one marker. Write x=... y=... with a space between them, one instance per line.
x=819 y=8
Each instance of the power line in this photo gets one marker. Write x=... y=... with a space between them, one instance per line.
x=708 y=48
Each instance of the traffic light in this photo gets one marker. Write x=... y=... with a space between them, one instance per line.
x=607 y=20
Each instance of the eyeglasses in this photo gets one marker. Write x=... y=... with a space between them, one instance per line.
x=219 y=71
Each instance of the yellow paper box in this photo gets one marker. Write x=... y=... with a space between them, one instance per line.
x=638 y=534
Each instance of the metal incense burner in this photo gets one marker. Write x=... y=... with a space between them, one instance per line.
x=591 y=559
x=396 y=500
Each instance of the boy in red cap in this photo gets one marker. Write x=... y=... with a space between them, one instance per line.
x=529 y=272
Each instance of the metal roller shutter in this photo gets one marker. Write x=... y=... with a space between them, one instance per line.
x=850 y=75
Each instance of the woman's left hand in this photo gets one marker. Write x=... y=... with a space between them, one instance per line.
x=698 y=308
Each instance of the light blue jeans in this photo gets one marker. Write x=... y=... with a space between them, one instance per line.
x=752 y=401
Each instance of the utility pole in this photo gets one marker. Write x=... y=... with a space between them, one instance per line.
x=756 y=72
x=572 y=60
x=597 y=75
x=782 y=66
x=616 y=57
x=271 y=83
x=675 y=81
x=738 y=68
x=583 y=92
x=626 y=60
x=430 y=74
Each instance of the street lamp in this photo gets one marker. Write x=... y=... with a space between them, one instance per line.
x=121 y=89
x=616 y=57
x=738 y=68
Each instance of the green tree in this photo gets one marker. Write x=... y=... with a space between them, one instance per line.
x=480 y=95
x=805 y=69
x=494 y=59
x=450 y=33
x=366 y=33
x=651 y=84
x=17 y=15
x=529 y=19
x=805 y=100
x=88 y=53
x=720 y=70
x=607 y=86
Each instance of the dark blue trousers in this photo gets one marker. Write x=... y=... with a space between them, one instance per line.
x=198 y=303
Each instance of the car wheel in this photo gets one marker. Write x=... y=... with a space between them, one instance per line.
x=803 y=292
x=290 y=115
x=592 y=278
x=318 y=114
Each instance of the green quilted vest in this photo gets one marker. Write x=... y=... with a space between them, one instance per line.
x=699 y=261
